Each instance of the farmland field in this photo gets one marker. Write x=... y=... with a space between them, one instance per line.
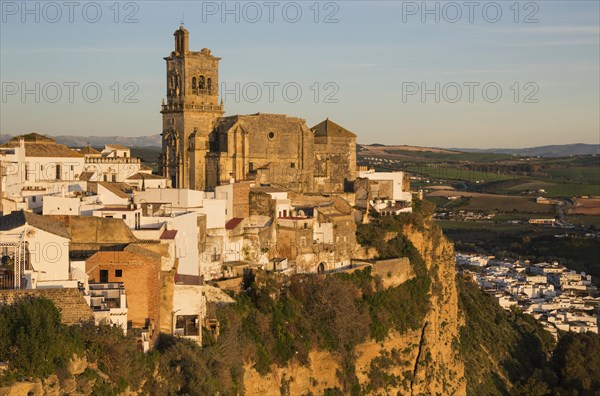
x=451 y=173
x=552 y=188
x=586 y=175
x=498 y=203
x=586 y=206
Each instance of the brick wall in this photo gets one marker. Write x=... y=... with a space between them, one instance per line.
x=241 y=206
x=141 y=277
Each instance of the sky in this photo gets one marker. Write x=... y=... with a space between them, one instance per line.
x=442 y=74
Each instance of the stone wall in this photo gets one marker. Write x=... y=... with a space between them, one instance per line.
x=70 y=302
x=261 y=204
x=393 y=272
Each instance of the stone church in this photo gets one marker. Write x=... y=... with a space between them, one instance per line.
x=201 y=148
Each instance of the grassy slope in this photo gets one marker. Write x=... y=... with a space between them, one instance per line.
x=500 y=348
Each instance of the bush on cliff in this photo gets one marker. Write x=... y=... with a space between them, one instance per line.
x=33 y=341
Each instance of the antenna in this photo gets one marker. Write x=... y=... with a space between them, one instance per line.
x=182 y=18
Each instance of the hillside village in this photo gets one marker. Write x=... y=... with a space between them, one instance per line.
x=109 y=241
x=561 y=299
x=152 y=253
x=145 y=256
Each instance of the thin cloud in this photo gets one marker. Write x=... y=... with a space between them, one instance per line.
x=569 y=30
x=98 y=50
x=553 y=43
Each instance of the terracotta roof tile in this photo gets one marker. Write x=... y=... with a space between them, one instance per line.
x=20 y=218
x=168 y=234
x=231 y=224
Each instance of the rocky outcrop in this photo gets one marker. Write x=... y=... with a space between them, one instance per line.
x=419 y=362
x=439 y=369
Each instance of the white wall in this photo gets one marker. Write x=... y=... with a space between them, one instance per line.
x=323 y=232
x=61 y=205
x=48 y=254
x=186 y=242
x=148 y=183
x=225 y=192
x=178 y=197
x=105 y=168
x=189 y=300
x=128 y=216
x=107 y=197
x=395 y=177
x=214 y=209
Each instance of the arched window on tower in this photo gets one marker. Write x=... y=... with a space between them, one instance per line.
x=209 y=85
x=194 y=86
x=202 y=83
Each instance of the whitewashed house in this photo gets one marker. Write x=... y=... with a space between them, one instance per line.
x=38 y=247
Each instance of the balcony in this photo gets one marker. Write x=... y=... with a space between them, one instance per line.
x=7 y=280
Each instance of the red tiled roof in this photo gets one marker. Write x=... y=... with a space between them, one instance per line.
x=182 y=279
x=231 y=224
x=168 y=234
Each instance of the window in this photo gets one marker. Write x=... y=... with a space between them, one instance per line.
x=209 y=85
x=34 y=199
x=103 y=276
x=202 y=83
x=124 y=217
x=187 y=325
x=293 y=165
x=58 y=172
x=271 y=135
x=250 y=167
x=118 y=273
x=305 y=226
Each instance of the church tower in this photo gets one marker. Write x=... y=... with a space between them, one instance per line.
x=190 y=113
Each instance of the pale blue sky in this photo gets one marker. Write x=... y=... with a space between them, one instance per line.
x=370 y=55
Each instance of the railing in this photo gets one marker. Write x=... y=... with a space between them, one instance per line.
x=112 y=160
x=181 y=106
x=7 y=280
x=107 y=286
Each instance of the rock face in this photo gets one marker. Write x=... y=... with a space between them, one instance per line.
x=420 y=362
x=438 y=368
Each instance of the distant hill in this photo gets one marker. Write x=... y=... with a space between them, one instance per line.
x=99 y=141
x=562 y=150
x=155 y=141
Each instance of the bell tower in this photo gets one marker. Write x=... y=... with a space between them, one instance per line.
x=190 y=113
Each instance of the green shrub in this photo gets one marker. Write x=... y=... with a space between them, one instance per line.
x=32 y=339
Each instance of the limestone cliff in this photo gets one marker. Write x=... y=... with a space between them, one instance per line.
x=418 y=362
